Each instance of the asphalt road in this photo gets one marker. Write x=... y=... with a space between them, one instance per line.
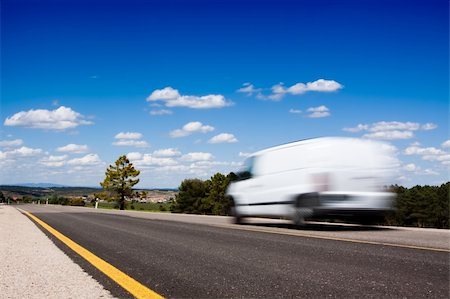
x=195 y=257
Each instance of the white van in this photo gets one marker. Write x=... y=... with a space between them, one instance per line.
x=330 y=176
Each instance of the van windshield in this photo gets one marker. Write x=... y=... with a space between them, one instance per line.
x=247 y=169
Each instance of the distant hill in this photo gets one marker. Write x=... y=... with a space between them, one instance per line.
x=20 y=191
x=157 y=189
x=52 y=185
x=37 y=190
x=40 y=185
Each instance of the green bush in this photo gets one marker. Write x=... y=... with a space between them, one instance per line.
x=203 y=197
x=421 y=206
x=76 y=202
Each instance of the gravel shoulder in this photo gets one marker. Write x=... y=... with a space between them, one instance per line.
x=33 y=267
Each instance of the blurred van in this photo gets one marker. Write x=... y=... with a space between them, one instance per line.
x=328 y=177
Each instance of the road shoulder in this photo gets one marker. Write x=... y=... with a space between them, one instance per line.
x=34 y=267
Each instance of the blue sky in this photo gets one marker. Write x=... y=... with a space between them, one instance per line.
x=77 y=76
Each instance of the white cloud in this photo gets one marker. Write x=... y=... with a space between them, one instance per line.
x=134 y=156
x=321 y=85
x=172 y=98
x=391 y=130
x=167 y=152
x=392 y=149
x=129 y=142
x=3 y=156
x=130 y=139
x=394 y=125
x=430 y=172
x=197 y=156
x=273 y=97
x=223 y=138
x=53 y=164
x=190 y=128
x=249 y=89
x=417 y=170
x=167 y=93
x=441 y=158
x=88 y=160
x=295 y=111
x=389 y=135
x=244 y=155
x=417 y=150
x=207 y=164
x=54 y=161
x=358 y=128
x=128 y=135
x=22 y=152
x=149 y=160
x=57 y=158
x=11 y=143
x=318 y=112
x=203 y=102
x=173 y=169
x=161 y=112
x=428 y=126
x=27 y=152
x=428 y=153
x=411 y=167
x=59 y=119
x=403 y=178
x=446 y=144
x=73 y=148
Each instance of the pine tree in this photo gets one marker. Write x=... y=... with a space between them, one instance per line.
x=119 y=179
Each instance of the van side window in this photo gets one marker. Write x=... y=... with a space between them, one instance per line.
x=247 y=171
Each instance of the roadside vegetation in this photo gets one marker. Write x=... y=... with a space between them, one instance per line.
x=207 y=197
x=136 y=206
x=421 y=206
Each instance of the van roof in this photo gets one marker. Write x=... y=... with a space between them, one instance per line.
x=303 y=142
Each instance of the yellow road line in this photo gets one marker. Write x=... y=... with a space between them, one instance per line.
x=237 y=227
x=131 y=285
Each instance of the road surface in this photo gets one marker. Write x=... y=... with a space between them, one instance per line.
x=187 y=256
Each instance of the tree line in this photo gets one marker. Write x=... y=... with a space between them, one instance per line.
x=421 y=206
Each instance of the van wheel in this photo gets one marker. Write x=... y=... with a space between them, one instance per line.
x=299 y=219
x=237 y=219
x=303 y=205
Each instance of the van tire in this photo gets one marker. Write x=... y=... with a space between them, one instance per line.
x=298 y=219
x=303 y=205
x=237 y=219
